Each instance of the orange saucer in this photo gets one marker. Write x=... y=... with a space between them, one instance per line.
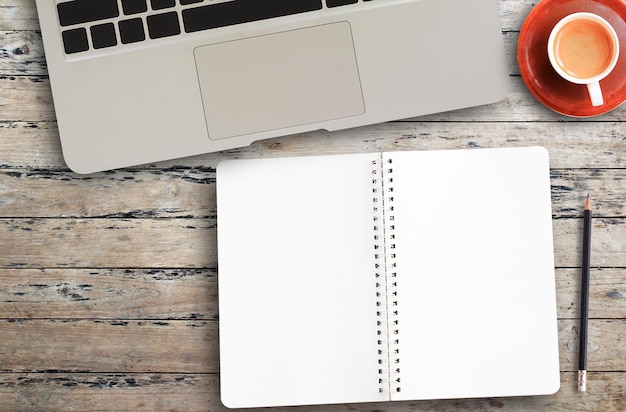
x=544 y=83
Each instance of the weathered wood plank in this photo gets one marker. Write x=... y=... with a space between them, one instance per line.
x=30 y=144
x=110 y=294
x=200 y=392
x=18 y=15
x=109 y=392
x=190 y=192
x=606 y=350
x=21 y=53
x=608 y=247
x=26 y=98
x=607 y=188
x=112 y=243
x=184 y=192
x=191 y=294
x=607 y=293
x=192 y=346
x=109 y=346
x=191 y=243
x=35 y=145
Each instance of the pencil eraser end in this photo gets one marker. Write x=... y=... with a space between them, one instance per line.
x=582 y=381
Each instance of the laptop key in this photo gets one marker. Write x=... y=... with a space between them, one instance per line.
x=184 y=2
x=134 y=6
x=131 y=31
x=243 y=11
x=85 y=11
x=75 y=40
x=103 y=35
x=163 y=25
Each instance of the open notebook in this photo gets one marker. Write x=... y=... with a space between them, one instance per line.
x=386 y=276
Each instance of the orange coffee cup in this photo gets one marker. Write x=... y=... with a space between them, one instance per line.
x=583 y=48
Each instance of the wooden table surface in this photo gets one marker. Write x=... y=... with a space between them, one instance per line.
x=108 y=297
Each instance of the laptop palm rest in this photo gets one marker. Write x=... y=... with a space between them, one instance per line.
x=279 y=80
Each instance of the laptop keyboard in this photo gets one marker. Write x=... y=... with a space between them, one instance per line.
x=101 y=24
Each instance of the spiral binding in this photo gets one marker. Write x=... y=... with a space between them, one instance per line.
x=388 y=342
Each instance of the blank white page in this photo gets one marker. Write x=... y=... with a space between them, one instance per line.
x=296 y=286
x=474 y=254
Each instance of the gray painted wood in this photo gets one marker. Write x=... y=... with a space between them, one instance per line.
x=108 y=282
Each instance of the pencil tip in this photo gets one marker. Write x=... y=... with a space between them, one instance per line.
x=588 y=203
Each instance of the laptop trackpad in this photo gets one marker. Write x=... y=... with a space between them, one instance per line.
x=279 y=80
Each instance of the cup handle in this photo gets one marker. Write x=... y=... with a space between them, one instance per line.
x=595 y=93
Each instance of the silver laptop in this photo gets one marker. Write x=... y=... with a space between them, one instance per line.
x=138 y=81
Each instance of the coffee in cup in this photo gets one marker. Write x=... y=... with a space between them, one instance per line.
x=583 y=48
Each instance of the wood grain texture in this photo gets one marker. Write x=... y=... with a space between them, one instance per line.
x=106 y=294
x=198 y=392
x=22 y=53
x=171 y=346
x=108 y=282
x=109 y=345
x=113 y=243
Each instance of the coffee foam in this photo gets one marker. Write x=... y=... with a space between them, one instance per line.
x=583 y=48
